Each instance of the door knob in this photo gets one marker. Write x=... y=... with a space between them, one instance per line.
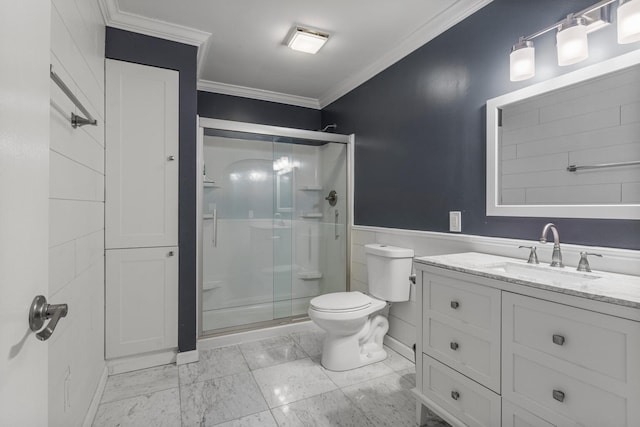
x=41 y=311
x=171 y=158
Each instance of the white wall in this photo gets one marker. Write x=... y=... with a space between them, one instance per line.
x=402 y=316
x=589 y=123
x=76 y=218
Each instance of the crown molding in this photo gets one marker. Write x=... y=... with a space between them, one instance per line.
x=263 y=95
x=427 y=32
x=114 y=17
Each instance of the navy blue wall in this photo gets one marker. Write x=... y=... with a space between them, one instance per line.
x=420 y=126
x=141 y=49
x=226 y=107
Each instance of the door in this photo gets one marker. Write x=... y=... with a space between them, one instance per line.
x=141 y=201
x=141 y=300
x=24 y=207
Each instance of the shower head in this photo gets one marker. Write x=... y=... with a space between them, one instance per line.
x=331 y=126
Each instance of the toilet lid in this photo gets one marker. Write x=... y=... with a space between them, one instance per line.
x=341 y=301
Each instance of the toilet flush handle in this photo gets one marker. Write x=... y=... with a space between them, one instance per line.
x=412 y=278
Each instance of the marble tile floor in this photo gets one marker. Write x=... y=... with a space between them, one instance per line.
x=272 y=382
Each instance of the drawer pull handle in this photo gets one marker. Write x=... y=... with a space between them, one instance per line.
x=558 y=339
x=558 y=395
x=171 y=253
x=455 y=305
x=454 y=345
x=455 y=395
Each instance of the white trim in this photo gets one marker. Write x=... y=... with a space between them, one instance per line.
x=242 y=337
x=626 y=211
x=272 y=130
x=615 y=260
x=260 y=94
x=399 y=348
x=460 y=10
x=143 y=361
x=95 y=401
x=185 y=357
x=114 y=17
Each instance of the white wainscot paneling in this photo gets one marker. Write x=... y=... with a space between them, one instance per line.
x=631 y=192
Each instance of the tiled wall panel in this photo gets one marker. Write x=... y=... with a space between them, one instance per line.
x=76 y=217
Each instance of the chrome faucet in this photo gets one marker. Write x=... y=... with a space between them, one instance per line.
x=556 y=257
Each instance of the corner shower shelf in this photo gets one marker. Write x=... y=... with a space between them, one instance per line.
x=311 y=188
x=210 y=184
x=207 y=216
x=309 y=275
x=314 y=215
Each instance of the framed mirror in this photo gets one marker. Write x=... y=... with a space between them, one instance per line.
x=569 y=146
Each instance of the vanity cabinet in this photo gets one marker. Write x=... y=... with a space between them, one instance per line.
x=491 y=353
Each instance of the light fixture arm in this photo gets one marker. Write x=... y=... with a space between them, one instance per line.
x=558 y=24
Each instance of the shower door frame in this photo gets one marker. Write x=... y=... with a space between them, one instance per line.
x=229 y=125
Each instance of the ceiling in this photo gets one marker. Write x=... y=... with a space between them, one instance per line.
x=241 y=49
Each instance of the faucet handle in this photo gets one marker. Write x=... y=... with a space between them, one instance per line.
x=583 y=265
x=533 y=255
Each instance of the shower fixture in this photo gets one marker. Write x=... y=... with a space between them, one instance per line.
x=327 y=127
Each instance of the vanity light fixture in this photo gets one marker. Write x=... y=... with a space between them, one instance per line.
x=305 y=40
x=629 y=21
x=571 y=37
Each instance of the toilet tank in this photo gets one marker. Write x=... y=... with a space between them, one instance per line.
x=389 y=268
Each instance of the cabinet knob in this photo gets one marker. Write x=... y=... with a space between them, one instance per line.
x=171 y=158
x=455 y=395
x=558 y=395
x=454 y=345
x=558 y=339
x=455 y=305
x=171 y=253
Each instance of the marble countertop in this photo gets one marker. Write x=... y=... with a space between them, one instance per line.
x=620 y=289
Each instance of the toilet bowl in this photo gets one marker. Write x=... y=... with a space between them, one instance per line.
x=354 y=321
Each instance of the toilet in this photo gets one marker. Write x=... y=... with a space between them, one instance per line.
x=353 y=321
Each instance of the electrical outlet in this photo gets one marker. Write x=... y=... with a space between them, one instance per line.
x=455 y=221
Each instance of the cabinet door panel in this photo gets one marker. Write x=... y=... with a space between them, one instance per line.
x=141 y=200
x=141 y=300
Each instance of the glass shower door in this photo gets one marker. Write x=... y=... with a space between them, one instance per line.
x=270 y=241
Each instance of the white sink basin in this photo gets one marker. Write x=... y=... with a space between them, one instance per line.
x=538 y=273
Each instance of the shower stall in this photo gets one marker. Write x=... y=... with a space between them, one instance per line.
x=274 y=228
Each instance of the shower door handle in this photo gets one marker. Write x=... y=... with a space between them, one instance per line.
x=335 y=226
x=215 y=228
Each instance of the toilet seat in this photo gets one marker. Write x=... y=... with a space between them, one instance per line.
x=341 y=302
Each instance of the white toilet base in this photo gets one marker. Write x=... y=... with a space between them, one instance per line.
x=343 y=353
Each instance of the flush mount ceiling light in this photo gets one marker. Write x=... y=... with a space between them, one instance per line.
x=305 y=40
x=572 y=42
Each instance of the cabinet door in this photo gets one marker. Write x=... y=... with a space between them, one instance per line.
x=141 y=300
x=141 y=200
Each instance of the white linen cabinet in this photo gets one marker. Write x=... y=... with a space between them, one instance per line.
x=141 y=209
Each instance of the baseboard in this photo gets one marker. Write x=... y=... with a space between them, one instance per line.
x=142 y=361
x=97 y=397
x=399 y=347
x=241 y=337
x=184 y=357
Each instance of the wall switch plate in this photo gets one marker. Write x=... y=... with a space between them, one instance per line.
x=455 y=221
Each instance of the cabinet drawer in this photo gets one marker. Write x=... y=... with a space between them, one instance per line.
x=514 y=416
x=473 y=404
x=476 y=356
x=591 y=340
x=464 y=301
x=592 y=362
x=587 y=404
